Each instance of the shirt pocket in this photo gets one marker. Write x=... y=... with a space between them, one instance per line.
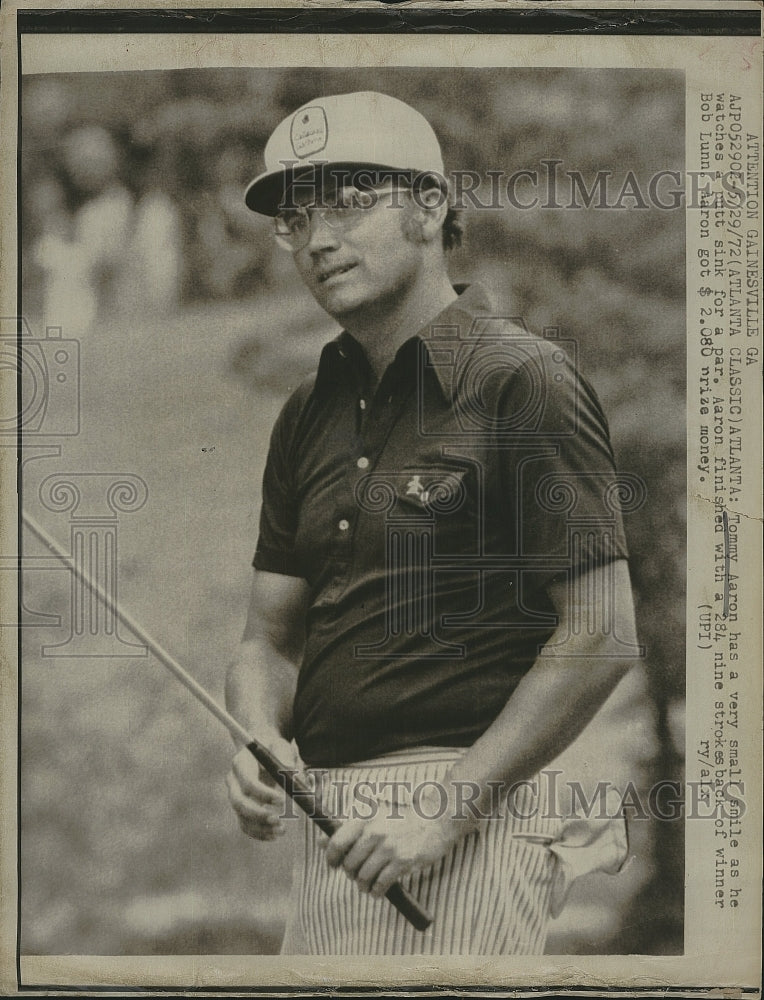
x=446 y=499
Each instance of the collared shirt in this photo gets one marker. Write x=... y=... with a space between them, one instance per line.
x=428 y=516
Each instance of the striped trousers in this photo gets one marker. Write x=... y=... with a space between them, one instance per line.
x=488 y=896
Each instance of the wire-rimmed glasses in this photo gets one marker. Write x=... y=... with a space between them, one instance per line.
x=292 y=227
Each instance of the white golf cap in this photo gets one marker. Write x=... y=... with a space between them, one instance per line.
x=365 y=129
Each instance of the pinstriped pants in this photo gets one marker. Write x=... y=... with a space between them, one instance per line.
x=489 y=895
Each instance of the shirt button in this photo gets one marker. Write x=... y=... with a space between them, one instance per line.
x=343 y=525
x=363 y=462
x=362 y=403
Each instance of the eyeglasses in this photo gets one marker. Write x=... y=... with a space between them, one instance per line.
x=292 y=227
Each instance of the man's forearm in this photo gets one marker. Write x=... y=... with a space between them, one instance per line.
x=260 y=687
x=550 y=707
x=575 y=672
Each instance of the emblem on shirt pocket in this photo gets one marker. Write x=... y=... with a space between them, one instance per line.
x=429 y=493
x=438 y=491
x=414 y=488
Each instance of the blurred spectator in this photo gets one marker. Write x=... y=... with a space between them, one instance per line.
x=67 y=298
x=231 y=257
x=81 y=253
x=155 y=253
x=154 y=259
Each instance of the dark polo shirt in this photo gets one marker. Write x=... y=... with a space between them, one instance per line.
x=428 y=518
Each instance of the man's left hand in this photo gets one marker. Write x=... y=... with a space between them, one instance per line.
x=379 y=851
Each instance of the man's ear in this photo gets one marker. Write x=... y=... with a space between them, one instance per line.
x=432 y=206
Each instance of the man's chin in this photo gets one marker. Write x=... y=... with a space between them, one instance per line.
x=339 y=302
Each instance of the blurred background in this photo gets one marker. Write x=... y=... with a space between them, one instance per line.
x=192 y=328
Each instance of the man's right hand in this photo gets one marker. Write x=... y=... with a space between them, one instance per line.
x=258 y=803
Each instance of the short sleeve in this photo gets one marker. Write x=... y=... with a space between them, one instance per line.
x=561 y=474
x=275 y=551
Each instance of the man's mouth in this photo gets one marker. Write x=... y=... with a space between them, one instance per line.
x=333 y=272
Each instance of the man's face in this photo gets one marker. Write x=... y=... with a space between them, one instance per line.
x=364 y=265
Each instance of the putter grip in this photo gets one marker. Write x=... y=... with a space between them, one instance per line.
x=297 y=790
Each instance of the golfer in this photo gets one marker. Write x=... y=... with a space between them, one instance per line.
x=441 y=599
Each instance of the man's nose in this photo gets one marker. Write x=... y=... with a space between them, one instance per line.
x=322 y=235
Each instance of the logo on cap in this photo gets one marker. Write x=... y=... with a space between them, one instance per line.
x=310 y=131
